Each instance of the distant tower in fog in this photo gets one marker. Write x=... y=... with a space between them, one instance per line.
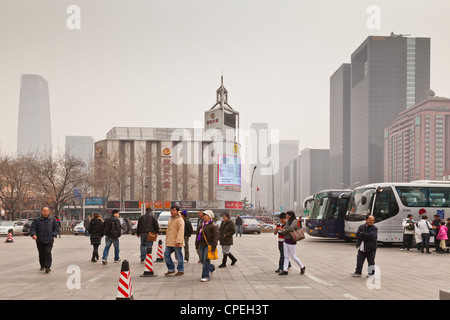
x=34 y=130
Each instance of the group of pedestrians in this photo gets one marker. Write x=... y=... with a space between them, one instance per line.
x=423 y=230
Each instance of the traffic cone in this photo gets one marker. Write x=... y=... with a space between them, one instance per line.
x=148 y=267
x=160 y=252
x=125 y=289
x=9 y=237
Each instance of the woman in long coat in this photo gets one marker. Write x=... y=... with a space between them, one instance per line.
x=95 y=229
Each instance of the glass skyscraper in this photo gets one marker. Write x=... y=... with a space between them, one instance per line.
x=388 y=75
x=34 y=130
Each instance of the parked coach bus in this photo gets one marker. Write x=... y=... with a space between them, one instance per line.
x=328 y=213
x=390 y=203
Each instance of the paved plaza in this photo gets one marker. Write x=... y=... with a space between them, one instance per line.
x=401 y=275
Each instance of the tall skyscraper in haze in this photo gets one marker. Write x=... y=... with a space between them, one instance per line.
x=340 y=127
x=81 y=147
x=388 y=75
x=34 y=130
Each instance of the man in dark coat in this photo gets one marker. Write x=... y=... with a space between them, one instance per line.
x=366 y=242
x=44 y=229
x=226 y=231
x=146 y=223
x=112 y=230
x=188 y=230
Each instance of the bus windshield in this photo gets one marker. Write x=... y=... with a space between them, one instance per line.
x=357 y=210
x=329 y=206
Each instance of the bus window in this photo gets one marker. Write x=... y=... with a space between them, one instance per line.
x=439 y=197
x=319 y=208
x=385 y=205
x=413 y=196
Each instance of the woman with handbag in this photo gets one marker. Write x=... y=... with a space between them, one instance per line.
x=208 y=237
x=290 y=245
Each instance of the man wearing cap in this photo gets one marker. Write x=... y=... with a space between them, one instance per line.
x=187 y=234
x=174 y=242
x=208 y=235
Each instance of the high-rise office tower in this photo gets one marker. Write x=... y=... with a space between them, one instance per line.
x=34 y=131
x=340 y=127
x=388 y=75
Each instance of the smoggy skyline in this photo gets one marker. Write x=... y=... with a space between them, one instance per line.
x=158 y=64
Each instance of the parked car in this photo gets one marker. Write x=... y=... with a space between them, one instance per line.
x=251 y=226
x=163 y=221
x=79 y=228
x=27 y=226
x=16 y=227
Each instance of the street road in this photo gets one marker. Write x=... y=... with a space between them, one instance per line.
x=400 y=274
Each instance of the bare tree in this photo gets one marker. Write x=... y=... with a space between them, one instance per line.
x=58 y=176
x=15 y=186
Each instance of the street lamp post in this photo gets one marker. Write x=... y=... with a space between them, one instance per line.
x=251 y=188
x=143 y=193
x=120 y=188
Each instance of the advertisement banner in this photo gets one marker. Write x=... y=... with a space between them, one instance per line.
x=229 y=170
x=233 y=205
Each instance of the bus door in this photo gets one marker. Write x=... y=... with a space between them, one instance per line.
x=385 y=208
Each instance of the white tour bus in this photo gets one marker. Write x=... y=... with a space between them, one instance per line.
x=390 y=203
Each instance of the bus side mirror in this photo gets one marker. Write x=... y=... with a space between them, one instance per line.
x=321 y=202
x=363 y=200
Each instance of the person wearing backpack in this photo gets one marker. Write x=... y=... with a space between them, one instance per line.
x=112 y=230
x=408 y=232
x=290 y=245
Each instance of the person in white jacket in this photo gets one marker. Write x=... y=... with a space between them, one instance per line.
x=408 y=232
x=424 y=227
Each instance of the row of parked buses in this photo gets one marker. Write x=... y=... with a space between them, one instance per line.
x=339 y=213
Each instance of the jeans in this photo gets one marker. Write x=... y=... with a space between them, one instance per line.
x=207 y=266
x=108 y=243
x=407 y=241
x=239 y=230
x=169 y=262
x=425 y=241
x=146 y=246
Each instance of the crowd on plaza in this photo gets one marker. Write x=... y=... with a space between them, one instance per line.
x=422 y=231
x=208 y=236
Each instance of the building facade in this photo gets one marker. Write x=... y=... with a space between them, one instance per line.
x=417 y=143
x=198 y=167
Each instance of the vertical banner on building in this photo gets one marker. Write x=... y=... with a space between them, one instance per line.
x=166 y=165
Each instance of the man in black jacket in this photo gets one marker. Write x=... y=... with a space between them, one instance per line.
x=146 y=223
x=44 y=229
x=366 y=243
x=112 y=230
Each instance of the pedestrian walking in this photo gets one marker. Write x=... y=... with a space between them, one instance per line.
x=448 y=235
x=226 y=231
x=366 y=243
x=58 y=221
x=279 y=227
x=289 y=244
x=435 y=226
x=200 y=214
x=95 y=228
x=147 y=225
x=174 y=242
x=442 y=237
x=425 y=227
x=86 y=222
x=188 y=230
x=112 y=230
x=44 y=230
x=238 y=226
x=208 y=235
x=408 y=232
x=417 y=237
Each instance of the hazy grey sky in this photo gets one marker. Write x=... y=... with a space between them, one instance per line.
x=158 y=63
